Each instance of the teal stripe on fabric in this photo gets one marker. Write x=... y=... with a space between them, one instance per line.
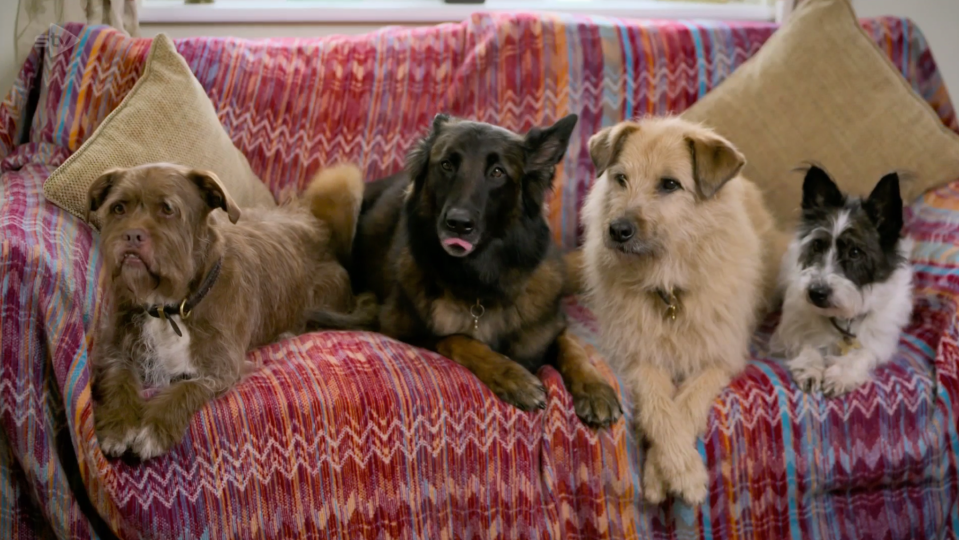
x=705 y=509
x=630 y=74
x=66 y=100
x=569 y=189
x=792 y=493
x=954 y=444
x=700 y=57
x=948 y=271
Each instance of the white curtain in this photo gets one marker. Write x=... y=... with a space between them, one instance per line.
x=34 y=18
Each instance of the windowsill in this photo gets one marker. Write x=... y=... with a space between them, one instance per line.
x=429 y=11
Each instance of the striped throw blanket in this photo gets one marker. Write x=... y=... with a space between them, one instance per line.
x=352 y=435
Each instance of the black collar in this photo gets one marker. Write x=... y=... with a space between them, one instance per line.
x=185 y=308
x=845 y=332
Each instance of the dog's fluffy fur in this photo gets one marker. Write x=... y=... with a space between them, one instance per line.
x=670 y=212
x=847 y=264
x=461 y=233
x=162 y=233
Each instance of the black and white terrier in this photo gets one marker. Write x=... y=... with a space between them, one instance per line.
x=848 y=285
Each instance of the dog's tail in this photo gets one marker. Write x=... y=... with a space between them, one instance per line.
x=335 y=196
x=574 y=282
x=365 y=316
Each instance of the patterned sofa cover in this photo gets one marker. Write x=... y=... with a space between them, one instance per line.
x=346 y=435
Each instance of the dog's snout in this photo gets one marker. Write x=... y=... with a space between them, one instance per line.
x=621 y=230
x=819 y=295
x=459 y=221
x=136 y=237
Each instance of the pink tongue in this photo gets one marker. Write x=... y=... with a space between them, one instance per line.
x=458 y=242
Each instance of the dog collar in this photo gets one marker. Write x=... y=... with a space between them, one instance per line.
x=185 y=308
x=849 y=340
x=477 y=311
x=671 y=300
x=845 y=332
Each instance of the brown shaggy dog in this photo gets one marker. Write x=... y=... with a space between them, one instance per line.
x=680 y=259
x=193 y=289
x=458 y=251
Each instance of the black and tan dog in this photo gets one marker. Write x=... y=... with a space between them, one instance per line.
x=458 y=252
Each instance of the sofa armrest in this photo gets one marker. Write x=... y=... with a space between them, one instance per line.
x=15 y=107
x=47 y=267
x=907 y=48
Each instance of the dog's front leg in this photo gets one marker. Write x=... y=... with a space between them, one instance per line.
x=513 y=383
x=119 y=407
x=594 y=400
x=168 y=414
x=848 y=372
x=697 y=394
x=672 y=459
x=807 y=368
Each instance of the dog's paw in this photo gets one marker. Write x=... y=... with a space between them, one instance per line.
x=654 y=488
x=115 y=430
x=682 y=470
x=808 y=370
x=597 y=404
x=515 y=385
x=840 y=379
x=116 y=444
x=156 y=437
x=693 y=485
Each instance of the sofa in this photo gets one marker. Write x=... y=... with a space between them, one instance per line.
x=354 y=435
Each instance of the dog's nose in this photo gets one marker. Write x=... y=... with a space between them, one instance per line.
x=459 y=221
x=621 y=230
x=135 y=237
x=819 y=295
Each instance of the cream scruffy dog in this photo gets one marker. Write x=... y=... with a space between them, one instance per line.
x=679 y=262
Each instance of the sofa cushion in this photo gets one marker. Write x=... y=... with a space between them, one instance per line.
x=166 y=117
x=820 y=90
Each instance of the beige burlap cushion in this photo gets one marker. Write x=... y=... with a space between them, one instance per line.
x=166 y=117
x=820 y=90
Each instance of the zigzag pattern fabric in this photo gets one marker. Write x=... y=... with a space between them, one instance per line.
x=352 y=435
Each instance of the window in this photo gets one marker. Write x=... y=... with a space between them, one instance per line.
x=436 y=11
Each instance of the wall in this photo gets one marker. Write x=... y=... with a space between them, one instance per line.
x=939 y=21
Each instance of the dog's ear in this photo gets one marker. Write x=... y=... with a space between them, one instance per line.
x=884 y=208
x=99 y=189
x=419 y=157
x=819 y=191
x=546 y=147
x=715 y=161
x=605 y=146
x=214 y=193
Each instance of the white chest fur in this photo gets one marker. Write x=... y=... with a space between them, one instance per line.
x=168 y=355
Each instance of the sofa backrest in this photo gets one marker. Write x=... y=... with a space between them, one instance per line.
x=294 y=105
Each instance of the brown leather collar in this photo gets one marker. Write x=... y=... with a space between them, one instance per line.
x=185 y=308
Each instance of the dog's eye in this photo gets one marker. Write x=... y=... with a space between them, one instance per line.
x=167 y=209
x=447 y=165
x=498 y=172
x=669 y=185
x=119 y=209
x=620 y=179
x=819 y=245
x=855 y=253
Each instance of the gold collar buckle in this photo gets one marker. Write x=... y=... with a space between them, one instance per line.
x=672 y=303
